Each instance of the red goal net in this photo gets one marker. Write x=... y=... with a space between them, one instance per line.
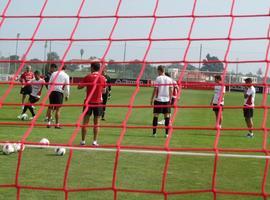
x=194 y=40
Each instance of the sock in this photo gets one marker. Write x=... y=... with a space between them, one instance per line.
x=155 y=122
x=167 y=122
x=31 y=110
x=24 y=109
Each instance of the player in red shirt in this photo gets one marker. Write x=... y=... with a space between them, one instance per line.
x=25 y=78
x=95 y=85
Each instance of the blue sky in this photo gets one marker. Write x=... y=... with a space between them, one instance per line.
x=139 y=28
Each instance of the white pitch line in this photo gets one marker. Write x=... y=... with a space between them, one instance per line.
x=164 y=152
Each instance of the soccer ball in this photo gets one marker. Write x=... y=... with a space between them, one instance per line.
x=8 y=149
x=24 y=117
x=18 y=147
x=44 y=141
x=60 y=151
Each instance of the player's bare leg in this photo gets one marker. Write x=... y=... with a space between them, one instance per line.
x=249 y=123
x=49 y=115
x=57 y=116
x=96 y=129
x=50 y=111
x=23 y=100
x=220 y=120
x=84 y=129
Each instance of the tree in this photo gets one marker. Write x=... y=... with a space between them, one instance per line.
x=259 y=72
x=191 y=67
x=13 y=65
x=249 y=74
x=73 y=67
x=212 y=64
x=81 y=52
x=37 y=66
x=52 y=56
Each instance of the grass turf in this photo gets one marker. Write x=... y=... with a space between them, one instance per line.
x=135 y=171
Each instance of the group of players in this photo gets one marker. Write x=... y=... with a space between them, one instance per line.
x=98 y=91
x=165 y=93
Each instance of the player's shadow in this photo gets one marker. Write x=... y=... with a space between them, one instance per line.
x=221 y=135
x=12 y=119
x=52 y=155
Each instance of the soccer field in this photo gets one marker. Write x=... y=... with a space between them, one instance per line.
x=41 y=169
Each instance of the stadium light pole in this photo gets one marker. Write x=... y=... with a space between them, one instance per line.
x=16 y=49
x=8 y=63
x=50 y=50
x=200 y=57
x=237 y=59
x=44 y=58
x=124 y=59
x=81 y=53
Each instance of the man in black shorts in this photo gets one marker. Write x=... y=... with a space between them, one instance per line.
x=218 y=99
x=53 y=68
x=25 y=79
x=95 y=86
x=174 y=95
x=161 y=98
x=61 y=88
x=249 y=99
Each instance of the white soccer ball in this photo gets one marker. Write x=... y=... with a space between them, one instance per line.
x=24 y=117
x=18 y=147
x=8 y=148
x=44 y=141
x=60 y=151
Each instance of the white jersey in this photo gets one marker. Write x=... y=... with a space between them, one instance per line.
x=163 y=85
x=249 y=101
x=37 y=86
x=61 y=81
x=218 y=91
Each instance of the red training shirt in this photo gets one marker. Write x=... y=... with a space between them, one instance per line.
x=26 y=77
x=97 y=86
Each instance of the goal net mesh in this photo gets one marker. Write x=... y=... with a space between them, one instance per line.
x=194 y=40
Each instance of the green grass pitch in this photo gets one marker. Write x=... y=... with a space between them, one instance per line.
x=94 y=169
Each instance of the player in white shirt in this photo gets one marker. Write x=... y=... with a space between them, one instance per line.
x=37 y=85
x=218 y=98
x=161 y=96
x=60 y=89
x=249 y=99
x=174 y=95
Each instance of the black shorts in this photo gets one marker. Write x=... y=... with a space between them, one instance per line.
x=33 y=99
x=96 y=109
x=164 y=110
x=216 y=109
x=26 y=90
x=248 y=112
x=56 y=97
